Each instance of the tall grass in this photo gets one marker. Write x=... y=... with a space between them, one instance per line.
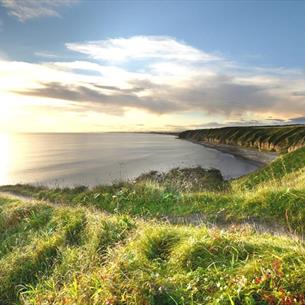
x=82 y=256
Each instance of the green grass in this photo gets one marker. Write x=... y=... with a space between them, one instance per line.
x=121 y=260
x=270 y=138
x=279 y=168
x=71 y=252
x=274 y=194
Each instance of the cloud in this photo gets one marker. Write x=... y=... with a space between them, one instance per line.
x=224 y=96
x=297 y=120
x=92 y=98
x=241 y=123
x=45 y=54
x=160 y=76
x=298 y=93
x=29 y=9
x=216 y=96
x=139 y=48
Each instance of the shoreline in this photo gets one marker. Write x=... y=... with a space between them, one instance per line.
x=256 y=157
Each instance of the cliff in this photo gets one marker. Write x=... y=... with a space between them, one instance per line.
x=266 y=138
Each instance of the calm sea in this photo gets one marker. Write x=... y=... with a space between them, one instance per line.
x=91 y=159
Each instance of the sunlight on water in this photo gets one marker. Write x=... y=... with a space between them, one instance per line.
x=74 y=159
x=5 y=157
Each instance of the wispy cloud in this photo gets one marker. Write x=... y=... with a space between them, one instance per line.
x=139 y=48
x=45 y=54
x=29 y=9
x=242 y=123
x=297 y=120
x=98 y=98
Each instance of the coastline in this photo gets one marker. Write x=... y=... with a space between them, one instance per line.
x=256 y=157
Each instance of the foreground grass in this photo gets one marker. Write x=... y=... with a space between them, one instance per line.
x=77 y=255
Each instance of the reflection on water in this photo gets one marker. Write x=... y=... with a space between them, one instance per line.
x=73 y=159
x=5 y=153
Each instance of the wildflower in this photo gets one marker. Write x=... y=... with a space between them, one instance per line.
x=161 y=289
x=110 y=301
x=258 y=280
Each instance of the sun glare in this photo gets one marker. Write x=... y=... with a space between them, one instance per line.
x=5 y=147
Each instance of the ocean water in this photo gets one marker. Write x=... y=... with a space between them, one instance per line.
x=91 y=159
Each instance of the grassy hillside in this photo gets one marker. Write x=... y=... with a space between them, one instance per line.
x=274 y=194
x=54 y=254
x=269 y=138
x=69 y=251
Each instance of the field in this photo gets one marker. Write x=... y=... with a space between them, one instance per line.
x=136 y=243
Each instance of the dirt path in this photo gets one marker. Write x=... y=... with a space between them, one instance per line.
x=197 y=219
x=12 y=195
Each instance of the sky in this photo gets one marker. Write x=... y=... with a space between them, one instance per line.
x=94 y=66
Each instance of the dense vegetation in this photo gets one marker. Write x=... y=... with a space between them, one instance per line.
x=185 y=179
x=109 y=245
x=269 y=138
x=70 y=255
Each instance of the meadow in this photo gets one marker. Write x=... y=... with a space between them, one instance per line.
x=137 y=243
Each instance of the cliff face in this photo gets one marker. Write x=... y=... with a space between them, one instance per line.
x=266 y=138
